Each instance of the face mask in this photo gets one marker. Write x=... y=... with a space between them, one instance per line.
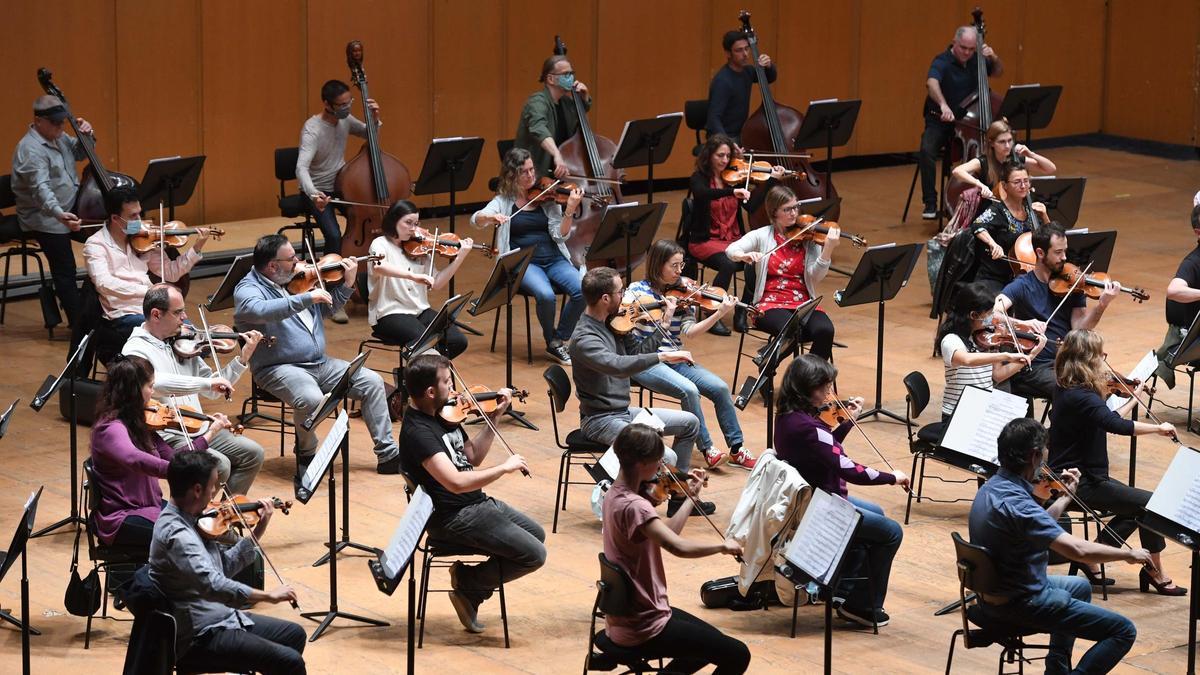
x=341 y=113
x=133 y=226
x=567 y=81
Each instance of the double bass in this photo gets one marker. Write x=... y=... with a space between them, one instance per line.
x=589 y=155
x=373 y=179
x=972 y=117
x=776 y=126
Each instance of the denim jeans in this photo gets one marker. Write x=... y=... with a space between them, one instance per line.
x=331 y=230
x=687 y=383
x=514 y=540
x=680 y=424
x=541 y=281
x=880 y=536
x=1064 y=610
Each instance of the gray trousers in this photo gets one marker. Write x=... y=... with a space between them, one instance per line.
x=513 y=540
x=681 y=425
x=303 y=385
x=238 y=458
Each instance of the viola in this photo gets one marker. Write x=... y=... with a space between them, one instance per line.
x=459 y=407
x=669 y=483
x=235 y=513
x=834 y=412
x=304 y=278
x=469 y=395
x=1122 y=386
x=172 y=234
x=546 y=190
x=1090 y=285
x=160 y=417
x=818 y=233
x=447 y=245
x=193 y=342
x=641 y=310
x=708 y=298
x=999 y=338
x=739 y=171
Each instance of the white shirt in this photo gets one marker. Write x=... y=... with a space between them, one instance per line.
x=958 y=377
x=392 y=295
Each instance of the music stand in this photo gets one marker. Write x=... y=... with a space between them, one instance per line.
x=6 y=417
x=881 y=273
x=625 y=228
x=820 y=207
x=1091 y=247
x=17 y=547
x=1062 y=197
x=1030 y=106
x=785 y=341
x=830 y=123
x=171 y=180
x=222 y=298
x=449 y=168
x=398 y=557
x=647 y=142
x=51 y=385
x=436 y=330
x=500 y=289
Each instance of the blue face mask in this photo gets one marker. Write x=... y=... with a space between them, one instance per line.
x=133 y=226
x=567 y=81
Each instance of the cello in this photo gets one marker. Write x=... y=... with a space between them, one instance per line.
x=586 y=154
x=776 y=126
x=373 y=179
x=972 y=117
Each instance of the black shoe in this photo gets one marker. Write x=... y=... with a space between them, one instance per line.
x=557 y=351
x=707 y=508
x=863 y=617
x=389 y=467
x=719 y=328
x=1093 y=578
x=739 y=320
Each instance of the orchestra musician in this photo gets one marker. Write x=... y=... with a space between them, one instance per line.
x=549 y=117
x=601 y=365
x=787 y=278
x=729 y=91
x=807 y=443
x=686 y=382
x=213 y=633
x=999 y=224
x=634 y=538
x=440 y=458
x=982 y=171
x=44 y=184
x=1019 y=533
x=298 y=369
x=545 y=228
x=951 y=79
x=398 y=285
x=1079 y=426
x=183 y=380
x=1183 y=303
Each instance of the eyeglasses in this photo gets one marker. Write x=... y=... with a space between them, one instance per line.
x=678 y=267
x=178 y=312
x=1020 y=182
x=569 y=72
x=294 y=258
x=793 y=208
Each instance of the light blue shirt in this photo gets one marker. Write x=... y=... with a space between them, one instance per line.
x=44 y=180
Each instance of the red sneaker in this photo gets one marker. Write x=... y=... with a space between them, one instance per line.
x=714 y=458
x=743 y=458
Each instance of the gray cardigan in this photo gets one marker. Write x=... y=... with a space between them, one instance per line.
x=762 y=240
x=259 y=305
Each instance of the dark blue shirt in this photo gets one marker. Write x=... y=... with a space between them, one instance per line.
x=1080 y=423
x=1032 y=299
x=532 y=228
x=1016 y=530
x=957 y=81
x=729 y=99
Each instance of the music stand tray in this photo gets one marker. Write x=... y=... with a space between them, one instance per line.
x=625 y=228
x=1091 y=247
x=647 y=142
x=222 y=298
x=171 y=180
x=437 y=328
x=449 y=166
x=6 y=417
x=505 y=280
x=1062 y=197
x=1030 y=106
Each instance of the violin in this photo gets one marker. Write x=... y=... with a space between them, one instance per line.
x=817 y=233
x=447 y=245
x=224 y=340
x=474 y=404
x=304 y=278
x=739 y=171
x=642 y=310
x=834 y=411
x=172 y=234
x=670 y=482
x=547 y=189
x=1122 y=386
x=162 y=417
x=237 y=512
x=459 y=407
x=999 y=338
x=708 y=298
x=1090 y=285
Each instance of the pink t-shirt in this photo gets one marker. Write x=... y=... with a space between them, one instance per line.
x=626 y=544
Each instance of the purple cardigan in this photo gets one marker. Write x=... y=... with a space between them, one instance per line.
x=813 y=449
x=127 y=476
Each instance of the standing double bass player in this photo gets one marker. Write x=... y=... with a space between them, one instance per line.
x=549 y=117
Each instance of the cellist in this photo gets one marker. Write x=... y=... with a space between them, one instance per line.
x=548 y=119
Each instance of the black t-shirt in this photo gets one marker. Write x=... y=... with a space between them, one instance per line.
x=422 y=437
x=1182 y=313
x=1004 y=228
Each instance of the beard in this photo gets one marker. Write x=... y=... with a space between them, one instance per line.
x=281 y=277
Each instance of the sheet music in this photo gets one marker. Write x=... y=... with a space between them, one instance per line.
x=1142 y=371
x=1177 y=497
x=408 y=532
x=609 y=461
x=822 y=536
x=325 y=452
x=978 y=419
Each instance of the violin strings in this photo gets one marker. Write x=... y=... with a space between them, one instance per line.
x=249 y=531
x=1069 y=292
x=695 y=502
x=212 y=350
x=316 y=268
x=657 y=324
x=1121 y=381
x=539 y=196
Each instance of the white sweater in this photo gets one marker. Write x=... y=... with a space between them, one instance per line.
x=172 y=377
x=775 y=495
x=762 y=240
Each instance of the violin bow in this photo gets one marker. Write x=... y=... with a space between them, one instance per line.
x=316 y=268
x=1070 y=290
x=179 y=418
x=856 y=425
x=162 y=241
x=657 y=325
x=1012 y=330
x=212 y=351
x=466 y=391
x=695 y=502
x=794 y=237
x=433 y=248
x=226 y=497
x=540 y=195
x=1132 y=394
x=749 y=159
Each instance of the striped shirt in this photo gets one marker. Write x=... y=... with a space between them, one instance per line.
x=958 y=377
x=681 y=320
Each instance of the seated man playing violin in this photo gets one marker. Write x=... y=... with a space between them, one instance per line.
x=184 y=378
x=1031 y=300
x=1019 y=533
x=213 y=633
x=439 y=457
x=298 y=369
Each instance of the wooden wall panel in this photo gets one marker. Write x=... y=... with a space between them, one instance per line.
x=1063 y=43
x=817 y=56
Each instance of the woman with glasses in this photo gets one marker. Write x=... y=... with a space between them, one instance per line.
x=981 y=171
x=686 y=381
x=788 y=277
x=999 y=225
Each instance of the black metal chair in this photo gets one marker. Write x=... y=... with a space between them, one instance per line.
x=260 y=398
x=104 y=557
x=577 y=450
x=978 y=574
x=293 y=205
x=614 y=596
x=923 y=441
x=18 y=246
x=397 y=373
x=695 y=116
x=443 y=555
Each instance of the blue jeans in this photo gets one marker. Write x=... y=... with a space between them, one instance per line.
x=878 y=539
x=541 y=280
x=687 y=383
x=1064 y=610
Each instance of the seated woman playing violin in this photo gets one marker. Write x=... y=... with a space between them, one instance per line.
x=527 y=216
x=805 y=441
x=999 y=225
x=634 y=537
x=983 y=172
x=976 y=351
x=787 y=276
x=1079 y=426
x=398 y=285
x=685 y=381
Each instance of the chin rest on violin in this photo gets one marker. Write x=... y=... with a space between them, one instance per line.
x=223 y=514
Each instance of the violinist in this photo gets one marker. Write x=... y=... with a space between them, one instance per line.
x=1079 y=426
x=44 y=185
x=807 y=443
x=443 y=461
x=549 y=118
x=213 y=633
x=1183 y=303
x=298 y=369
x=686 y=382
x=1019 y=533
x=729 y=91
x=185 y=379
x=787 y=278
x=983 y=171
x=966 y=364
x=398 y=286
x=545 y=227
x=951 y=79
x=1000 y=223
x=1029 y=298
x=634 y=537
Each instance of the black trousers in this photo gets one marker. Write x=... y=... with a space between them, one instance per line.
x=57 y=249
x=933 y=140
x=404 y=328
x=693 y=644
x=1109 y=494
x=1037 y=381
x=818 y=330
x=725 y=269
x=135 y=531
x=269 y=646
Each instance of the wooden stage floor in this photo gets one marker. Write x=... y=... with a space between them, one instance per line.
x=1147 y=199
